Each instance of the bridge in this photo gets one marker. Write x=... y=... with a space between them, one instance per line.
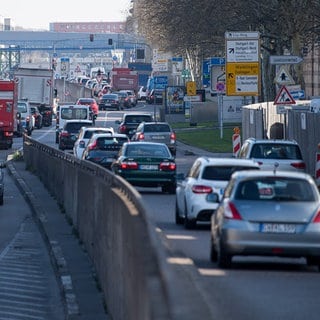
x=13 y=44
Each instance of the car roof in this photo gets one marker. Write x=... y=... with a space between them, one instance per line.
x=97 y=128
x=78 y=121
x=269 y=173
x=146 y=143
x=228 y=161
x=272 y=141
x=113 y=135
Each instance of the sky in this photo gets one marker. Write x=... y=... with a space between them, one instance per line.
x=37 y=14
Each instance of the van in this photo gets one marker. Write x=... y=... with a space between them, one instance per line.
x=71 y=112
x=25 y=118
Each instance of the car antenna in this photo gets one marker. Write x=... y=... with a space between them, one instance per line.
x=276 y=165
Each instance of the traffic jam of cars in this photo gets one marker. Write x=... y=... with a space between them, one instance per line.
x=260 y=203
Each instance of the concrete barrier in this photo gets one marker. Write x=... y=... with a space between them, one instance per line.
x=140 y=277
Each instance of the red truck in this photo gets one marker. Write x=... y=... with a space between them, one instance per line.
x=124 y=79
x=8 y=112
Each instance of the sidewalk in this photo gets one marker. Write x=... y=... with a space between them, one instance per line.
x=75 y=273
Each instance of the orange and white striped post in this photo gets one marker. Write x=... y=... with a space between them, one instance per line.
x=236 y=141
x=317 y=173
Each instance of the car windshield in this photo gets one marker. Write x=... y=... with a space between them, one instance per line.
x=110 y=96
x=276 y=151
x=276 y=189
x=222 y=173
x=147 y=150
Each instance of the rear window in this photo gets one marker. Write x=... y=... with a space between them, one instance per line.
x=110 y=143
x=138 y=119
x=157 y=128
x=74 y=113
x=280 y=189
x=147 y=150
x=276 y=151
x=88 y=134
x=222 y=173
x=76 y=126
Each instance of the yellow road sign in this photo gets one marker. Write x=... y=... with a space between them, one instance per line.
x=243 y=79
x=191 y=88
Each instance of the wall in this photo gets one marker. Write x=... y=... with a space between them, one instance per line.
x=131 y=258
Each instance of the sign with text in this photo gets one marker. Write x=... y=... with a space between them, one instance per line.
x=242 y=63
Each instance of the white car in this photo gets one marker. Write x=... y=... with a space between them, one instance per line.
x=85 y=135
x=142 y=93
x=206 y=178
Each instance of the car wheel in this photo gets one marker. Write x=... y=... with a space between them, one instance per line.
x=57 y=138
x=179 y=220
x=61 y=147
x=223 y=258
x=189 y=223
x=213 y=251
x=1 y=199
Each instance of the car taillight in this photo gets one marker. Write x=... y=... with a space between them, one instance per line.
x=231 y=212
x=298 y=165
x=316 y=219
x=129 y=165
x=122 y=129
x=141 y=136
x=167 y=166
x=8 y=134
x=201 y=189
x=64 y=134
x=173 y=137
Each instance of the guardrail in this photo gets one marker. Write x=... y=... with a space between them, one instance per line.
x=139 y=276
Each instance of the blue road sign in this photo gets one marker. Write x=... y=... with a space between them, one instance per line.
x=298 y=94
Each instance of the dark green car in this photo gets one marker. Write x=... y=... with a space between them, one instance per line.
x=147 y=164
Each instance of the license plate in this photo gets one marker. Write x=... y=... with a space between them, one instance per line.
x=148 y=167
x=157 y=137
x=277 y=228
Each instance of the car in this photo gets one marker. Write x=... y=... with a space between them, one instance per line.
x=85 y=135
x=267 y=213
x=70 y=132
x=285 y=154
x=124 y=99
x=156 y=132
x=47 y=114
x=38 y=118
x=92 y=103
x=26 y=120
x=206 y=178
x=2 y=165
x=132 y=97
x=109 y=100
x=155 y=96
x=130 y=122
x=103 y=148
x=147 y=164
x=142 y=93
x=71 y=112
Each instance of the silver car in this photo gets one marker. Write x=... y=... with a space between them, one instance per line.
x=267 y=213
x=160 y=132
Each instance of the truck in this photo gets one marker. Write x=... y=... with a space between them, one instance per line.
x=8 y=113
x=124 y=79
x=35 y=86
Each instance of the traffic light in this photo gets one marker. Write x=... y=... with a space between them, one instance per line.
x=91 y=37
x=110 y=42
